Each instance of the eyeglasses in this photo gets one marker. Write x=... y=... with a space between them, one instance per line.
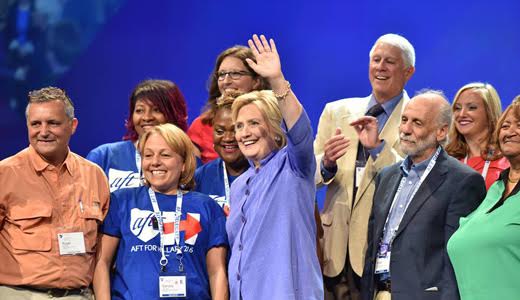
x=235 y=75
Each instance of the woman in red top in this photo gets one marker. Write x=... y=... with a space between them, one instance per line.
x=231 y=72
x=476 y=109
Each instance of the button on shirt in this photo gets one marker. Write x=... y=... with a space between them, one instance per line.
x=38 y=201
x=271 y=227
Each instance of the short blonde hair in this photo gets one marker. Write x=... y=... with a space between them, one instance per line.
x=458 y=146
x=266 y=102
x=181 y=144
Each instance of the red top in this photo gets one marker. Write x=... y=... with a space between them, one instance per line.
x=495 y=168
x=202 y=136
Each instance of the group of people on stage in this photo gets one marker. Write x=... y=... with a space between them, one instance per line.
x=420 y=194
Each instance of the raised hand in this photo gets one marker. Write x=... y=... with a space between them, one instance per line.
x=267 y=59
x=366 y=128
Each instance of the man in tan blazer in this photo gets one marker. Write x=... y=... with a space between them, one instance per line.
x=356 y=138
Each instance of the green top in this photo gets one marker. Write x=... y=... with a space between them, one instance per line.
x=485 y=250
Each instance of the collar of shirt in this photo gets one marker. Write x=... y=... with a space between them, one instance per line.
x=407 y=165
x=263 y=161
x=504 y=176
x=389 y=105
x=39 y=164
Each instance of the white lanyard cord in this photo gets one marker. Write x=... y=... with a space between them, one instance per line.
x=158 y=216
x=138 y=165
x=226 y=184
x=484 y=170
x=429 y=168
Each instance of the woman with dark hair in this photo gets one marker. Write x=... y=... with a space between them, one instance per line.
x=153 y=102
x=170 y=242
x=231 y=72
x=476 y=109
x=485 y=250
x=215 y=177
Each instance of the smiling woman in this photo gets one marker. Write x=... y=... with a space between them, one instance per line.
x=163 y=229
x=275 y=193
x=215 y=178
x=231 y=73
x=476 y=109
x=152 y=102
x=485 y=250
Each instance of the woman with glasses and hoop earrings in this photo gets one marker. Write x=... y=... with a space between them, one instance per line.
x=231 y=72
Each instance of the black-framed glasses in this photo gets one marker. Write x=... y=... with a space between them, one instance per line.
x=235 y=75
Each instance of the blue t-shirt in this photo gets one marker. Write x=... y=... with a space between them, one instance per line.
x=118 y=161
x=131 y=219
x=209 y=180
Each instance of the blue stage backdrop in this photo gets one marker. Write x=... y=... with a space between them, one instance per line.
x=324 y=48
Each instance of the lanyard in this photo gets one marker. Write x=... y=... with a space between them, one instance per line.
x=484 y=170
x=178 y=209
x=429 y=168
x=138 y=165
x=226 y=184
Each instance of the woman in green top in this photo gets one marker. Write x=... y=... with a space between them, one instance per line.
x=485 y=250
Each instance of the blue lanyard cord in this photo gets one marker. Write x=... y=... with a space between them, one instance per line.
x=429 y=168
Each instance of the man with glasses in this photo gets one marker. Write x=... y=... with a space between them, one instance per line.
x=356 y=138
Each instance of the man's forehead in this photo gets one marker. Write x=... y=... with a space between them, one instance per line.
x=387 y=49
x=46 y=110
x=421 y=107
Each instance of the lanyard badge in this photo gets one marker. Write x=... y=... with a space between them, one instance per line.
x=384 y=251
x=170 y=286
x=383 y=259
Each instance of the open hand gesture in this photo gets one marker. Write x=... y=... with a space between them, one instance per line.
x=267 y=59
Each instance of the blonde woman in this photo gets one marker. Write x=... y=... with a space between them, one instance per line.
x=170 y=242
x=476 y=109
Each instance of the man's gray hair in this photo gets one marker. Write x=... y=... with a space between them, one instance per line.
x=49 y=94
x=444 y=116
x=407 y=50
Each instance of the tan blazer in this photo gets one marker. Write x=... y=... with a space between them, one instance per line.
x=346 y=224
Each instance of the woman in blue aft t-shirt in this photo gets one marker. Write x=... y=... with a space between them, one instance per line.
x=152 y=102
x=170 y=242
x=215 y=178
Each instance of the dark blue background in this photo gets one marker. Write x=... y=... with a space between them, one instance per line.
x=324 y=48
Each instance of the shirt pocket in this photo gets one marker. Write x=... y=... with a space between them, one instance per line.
x=31 y=227
x=91 y=220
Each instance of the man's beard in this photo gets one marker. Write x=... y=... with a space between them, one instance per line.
x=419 y=146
